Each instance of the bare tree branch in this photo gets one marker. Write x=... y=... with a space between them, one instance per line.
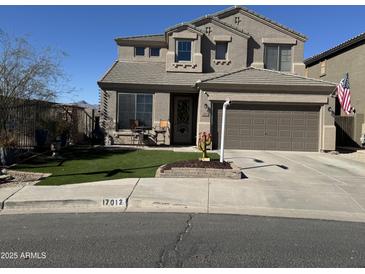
x=26 y=74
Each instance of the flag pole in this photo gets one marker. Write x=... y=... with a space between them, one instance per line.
x=333 y=93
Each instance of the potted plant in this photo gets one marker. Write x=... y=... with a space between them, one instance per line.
x=7 y=149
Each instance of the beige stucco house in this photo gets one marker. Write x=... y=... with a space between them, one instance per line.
x=184 y=75
x=331 y=65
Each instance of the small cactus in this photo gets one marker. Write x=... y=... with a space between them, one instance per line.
x=205 y=139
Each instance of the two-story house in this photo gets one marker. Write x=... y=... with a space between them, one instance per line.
x=184 y=75
x=331 y=65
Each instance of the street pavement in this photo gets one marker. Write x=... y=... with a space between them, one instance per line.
x=282 y=184
x=177 y=240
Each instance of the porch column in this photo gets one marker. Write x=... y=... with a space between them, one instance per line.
x=161 y=111
x=203 y=114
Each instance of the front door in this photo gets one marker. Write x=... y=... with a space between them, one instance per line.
x=183 y=119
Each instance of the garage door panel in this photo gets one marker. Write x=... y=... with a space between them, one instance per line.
x=245 y=121
x=245 y=132
x=284 y=133
x=231 y=131
x=298 y=134
x=271 y=132
x=311 y=146
x=284 y=123
x=259 y=121
x=258 y=132
x=298 y=146
x=270 y=145
x=270 y=127
x=284 y=146
x=311 y=134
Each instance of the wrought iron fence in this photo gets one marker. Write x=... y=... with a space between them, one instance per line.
x=37 y=123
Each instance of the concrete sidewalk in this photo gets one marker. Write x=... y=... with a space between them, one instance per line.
x=73 y=197
x=247 y=197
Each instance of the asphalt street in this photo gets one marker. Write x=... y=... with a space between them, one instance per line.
x=177 y=240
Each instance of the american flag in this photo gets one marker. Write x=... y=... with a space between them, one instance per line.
x=344 y=95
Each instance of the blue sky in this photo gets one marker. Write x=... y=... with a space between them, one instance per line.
x=86 y=33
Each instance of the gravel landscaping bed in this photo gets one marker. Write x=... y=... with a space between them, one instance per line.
x=21 y=178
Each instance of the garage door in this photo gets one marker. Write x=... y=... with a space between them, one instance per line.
x=268 y=127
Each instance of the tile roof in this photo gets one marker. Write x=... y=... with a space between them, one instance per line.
x=151 y=73
x=335 y=49
x=255 y=76
x=148 y=73
x=151 y=37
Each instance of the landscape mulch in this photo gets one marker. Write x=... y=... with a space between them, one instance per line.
x=198 y=164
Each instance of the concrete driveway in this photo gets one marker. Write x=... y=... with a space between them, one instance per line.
x=298 y=184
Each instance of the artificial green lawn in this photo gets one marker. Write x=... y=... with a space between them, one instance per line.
x=88 y=165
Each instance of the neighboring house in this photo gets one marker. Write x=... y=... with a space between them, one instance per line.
x=185 y=75
x=331 y=65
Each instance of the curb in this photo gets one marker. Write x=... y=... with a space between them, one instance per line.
x=151 y=206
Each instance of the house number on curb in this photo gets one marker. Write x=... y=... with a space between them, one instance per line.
x=114 y=202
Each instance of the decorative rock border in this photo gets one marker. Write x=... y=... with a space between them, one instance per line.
x=183 y=172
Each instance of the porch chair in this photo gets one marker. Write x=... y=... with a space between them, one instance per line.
x=134 y=132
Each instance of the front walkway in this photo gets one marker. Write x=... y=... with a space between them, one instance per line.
x=286 y=184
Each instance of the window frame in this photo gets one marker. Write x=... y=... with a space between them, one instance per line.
x=135 y=51
x=155 y=48
x=279 y=47
x=135 y=110
x=177 y=50
x=322 y=68
x=226 y=50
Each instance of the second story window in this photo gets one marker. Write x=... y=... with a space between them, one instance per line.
x=155 y=52
x=183 y=50
x=139 y=51
x=221 y=51
x=278 y=57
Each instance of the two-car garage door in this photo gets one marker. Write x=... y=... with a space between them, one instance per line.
x=268 y=127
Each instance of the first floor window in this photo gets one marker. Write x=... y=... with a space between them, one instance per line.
x=278 y=57
x=139 y=51
x=183 y=50
x=155 y=52
x=134 y=107
x=221 y=50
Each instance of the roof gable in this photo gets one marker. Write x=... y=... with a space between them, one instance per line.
x=214 y=20
x=260 y=18
x=183 y=26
